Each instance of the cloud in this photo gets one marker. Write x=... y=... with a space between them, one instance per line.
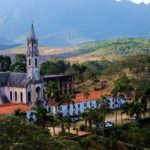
x=137 y=1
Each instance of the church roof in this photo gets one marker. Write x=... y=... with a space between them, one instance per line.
x=13 y=79
x=3 y=78
x=18 y=79
x=8 y=109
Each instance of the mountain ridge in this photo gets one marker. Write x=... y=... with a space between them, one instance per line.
x=75 y=22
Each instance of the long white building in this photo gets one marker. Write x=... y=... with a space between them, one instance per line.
x=81 y=104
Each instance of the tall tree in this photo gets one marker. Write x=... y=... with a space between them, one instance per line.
x=5 y=63
x=52 y=90
x=41 y=116
x=86 y=93
x=20 y=63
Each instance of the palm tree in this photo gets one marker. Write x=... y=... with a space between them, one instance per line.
x=103 y=105
x=64 y=121
x=86 y=93
x=88 y=116
x=134 y=109
x=52 y=90
x=141 y=92
x=41 y=116
x=122 y=86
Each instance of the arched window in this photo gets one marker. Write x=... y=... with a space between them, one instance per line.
x=29 y=62
x=15 y=96
x=29 y=97
x=21 y=97
x=35 y=61
x=10 y=95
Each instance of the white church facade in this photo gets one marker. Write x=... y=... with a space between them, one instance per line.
x=26 y=87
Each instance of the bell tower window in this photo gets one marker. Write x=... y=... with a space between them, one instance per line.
x=35 y=61
x=29 y=62
x=29 y=97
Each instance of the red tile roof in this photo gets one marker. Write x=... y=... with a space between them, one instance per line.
x=8 y=109
x=95 y=95
x=92 y=96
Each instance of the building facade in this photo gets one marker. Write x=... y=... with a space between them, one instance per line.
x=81 y=104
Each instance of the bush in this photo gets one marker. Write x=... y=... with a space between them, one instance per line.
x=83 y=127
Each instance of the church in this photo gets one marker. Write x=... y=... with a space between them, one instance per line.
x=29 y=88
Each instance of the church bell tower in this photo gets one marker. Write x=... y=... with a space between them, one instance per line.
x=33 y=68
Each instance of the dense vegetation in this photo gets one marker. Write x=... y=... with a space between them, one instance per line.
x=130 y=78
x=89 y=72
x=125 y=46
x=18 y=134
x=16 y=65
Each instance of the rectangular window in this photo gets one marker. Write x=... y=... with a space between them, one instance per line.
x=35 y=61
x=49 y=109
x=78 y=105
x=85 y=104
x=60 y=108
x=68 y=107
x=78 y=111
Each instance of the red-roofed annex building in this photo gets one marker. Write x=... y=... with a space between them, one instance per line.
x=81 y=104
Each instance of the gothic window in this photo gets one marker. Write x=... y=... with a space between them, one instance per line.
x=11 y=95
x=29 y=62
x=21 y=97
x=15 y=96
x=35 y=61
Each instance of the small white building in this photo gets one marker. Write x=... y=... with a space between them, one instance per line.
x=80 y=104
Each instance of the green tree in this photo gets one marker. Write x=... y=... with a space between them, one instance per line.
x=86 y=93
x=18 y=113
x=5 y=63
x=18 y=134
x=20 y=63
x=135 y=137
x=41 y=116
x=54 y=66
x=134 y=109
x=116 y=134
x=52 y=90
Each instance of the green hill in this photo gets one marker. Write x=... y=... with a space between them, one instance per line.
x=124 y=46
x=108 y=49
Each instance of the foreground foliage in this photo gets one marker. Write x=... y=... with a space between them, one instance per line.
x=18 y=134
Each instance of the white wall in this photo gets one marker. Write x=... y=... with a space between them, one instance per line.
x=72 y=111
x=6 y=91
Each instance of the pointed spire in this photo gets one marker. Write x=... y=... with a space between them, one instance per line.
x=32 y=33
